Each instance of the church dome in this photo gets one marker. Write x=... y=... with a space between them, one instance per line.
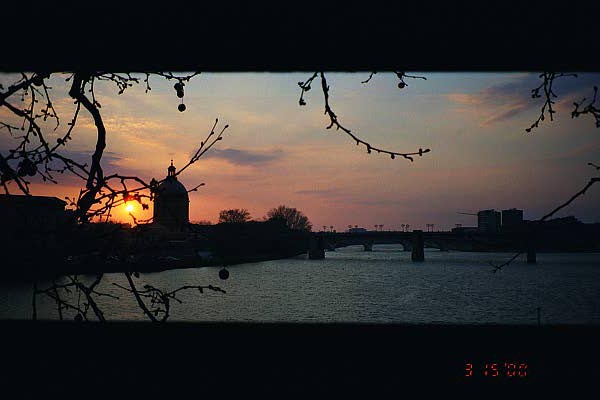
x=171 y=202
x=171 y=187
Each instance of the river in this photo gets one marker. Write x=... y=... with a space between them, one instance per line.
x=350 y=285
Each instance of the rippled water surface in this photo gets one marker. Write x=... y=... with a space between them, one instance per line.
x=354 y=286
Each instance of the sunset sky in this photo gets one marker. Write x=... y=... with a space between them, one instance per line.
x=277 y=152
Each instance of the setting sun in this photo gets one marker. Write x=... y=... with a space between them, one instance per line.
x=129 y=207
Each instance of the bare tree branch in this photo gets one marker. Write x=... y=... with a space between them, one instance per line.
x=369 y=78
x=35 y=155
x=334 y=122
x=590 y=108
x=545 y=89
x=160 y=301
x=37 y=160
x=566 y=203
x=545 y=217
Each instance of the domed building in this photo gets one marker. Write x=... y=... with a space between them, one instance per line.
x=171 y=203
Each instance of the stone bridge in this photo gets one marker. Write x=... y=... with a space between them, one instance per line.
x=416 y=241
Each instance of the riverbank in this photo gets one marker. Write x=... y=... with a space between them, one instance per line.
x=96 y=248
x=53 y=271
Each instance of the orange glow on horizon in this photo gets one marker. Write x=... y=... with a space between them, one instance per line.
x=273 y=154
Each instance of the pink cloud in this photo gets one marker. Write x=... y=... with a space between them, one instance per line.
x=512 y=111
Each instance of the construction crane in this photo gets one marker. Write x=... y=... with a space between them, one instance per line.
x=467 y=213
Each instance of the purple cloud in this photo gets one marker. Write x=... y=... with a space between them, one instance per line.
x=243 y=157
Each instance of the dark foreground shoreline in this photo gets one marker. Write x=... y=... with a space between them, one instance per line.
x=70 y=359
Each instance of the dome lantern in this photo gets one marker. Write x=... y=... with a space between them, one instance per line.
x=171 y=170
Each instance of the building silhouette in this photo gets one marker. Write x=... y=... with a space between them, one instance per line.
x=171 y=203
x=488 y=221
x=512 y=219
x=32 y=213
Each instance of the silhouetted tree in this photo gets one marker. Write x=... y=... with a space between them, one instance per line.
x=35 y=155
x=293 y=218
x=234 y=216
x=545 y=90
x=31 y=121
